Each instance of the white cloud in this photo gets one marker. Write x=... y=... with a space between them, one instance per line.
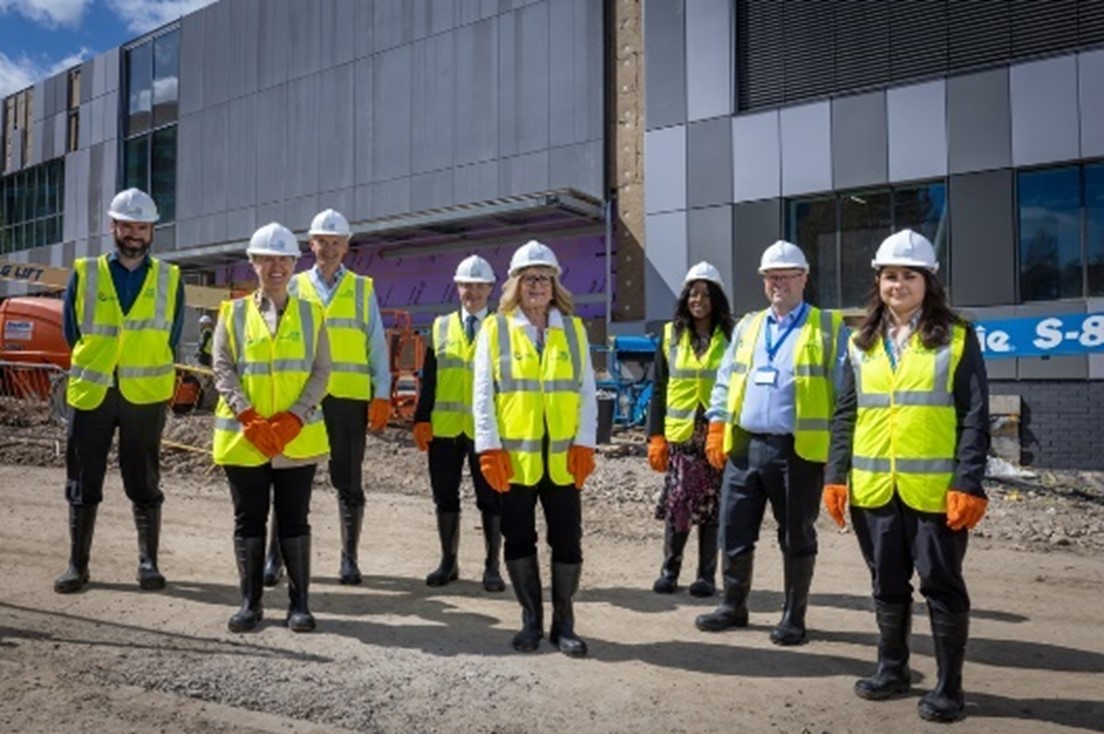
x=50 y=13
x=23 y=71
x=145 y=15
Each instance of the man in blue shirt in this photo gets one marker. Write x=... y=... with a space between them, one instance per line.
x=774 y=394
x=101 y=378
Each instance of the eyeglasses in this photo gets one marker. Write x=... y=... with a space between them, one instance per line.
x=781 y=277
x=532 y=280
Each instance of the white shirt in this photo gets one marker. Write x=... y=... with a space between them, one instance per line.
x=483 y=407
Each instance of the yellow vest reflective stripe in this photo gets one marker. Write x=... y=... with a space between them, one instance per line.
x=535 y=392
x=273 y=372
x=690 y=380
x=906 y=426
x=133 y=348
x=349 y=322
x=452 y=403
x=814 y=391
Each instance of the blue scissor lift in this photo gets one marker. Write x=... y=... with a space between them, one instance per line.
x=630 y=362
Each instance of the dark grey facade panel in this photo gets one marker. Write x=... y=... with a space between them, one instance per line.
x=709 y=84
x=304 y=41
x=433 y=16
x=475 y=182
x=86 y=77
x=433 y=102
x=271 y=141
x=709 y=162
x=223 y=54
x=192 y=42
x=979 y=121
x=272 y=211
x=242 y=171
x=189 y=167
x=338 y=32
x=471 y=11
x=523 y=74
x=664 y=62
x=756 y=225
x=577 y=166
x=216 y=159
x=96 y=201
x=709 y=238
x=241 y=223
x=363 y=119
x=243 y=73
x=213 y=227
x=1090 y=81
x=523 y=173
x=304 y=118
x=274 y=26
x=336 y=128
x=394 y=23
x=475 y=123
x=365 y=18
x=860 y=145
x=575 y=68
x=391 y=197
x=391 y=113
x=299 y=211
x=983 y=249
x=431 y=190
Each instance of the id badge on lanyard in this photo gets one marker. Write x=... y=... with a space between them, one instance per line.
x=766 y=376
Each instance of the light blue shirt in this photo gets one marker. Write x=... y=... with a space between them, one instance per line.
x=325 y=290
x=769 y=408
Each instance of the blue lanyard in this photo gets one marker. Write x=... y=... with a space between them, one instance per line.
x=773 y=349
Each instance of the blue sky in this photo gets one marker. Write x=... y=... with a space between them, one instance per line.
x=39 y=38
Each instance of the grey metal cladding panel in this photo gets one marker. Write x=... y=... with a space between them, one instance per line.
x=61 y=133
x=242 y=169
x=431 y=190
x=709 y=162
x=363 y=125
x=666 y=262
x=97 y=134
x=96 y=78
x=271 y=143
x=187 y=233
x=917 y=132
x=243 y=72
x=524 y=80
x=756 y=157
x=859 y=141
x=709 y=45
x=393 y=22
x=38 y=103
x=475 y=10
x=241 y=223
x=343 y=200
x=86 y=81
x=365 y=23
x=299 y=211
x=112 y=78
x=665 y=169
x=272 y=211
x=96 y=193
x=575 y=90
x=979 y=129
x=983 y=243
x=71 y=225
x=433 y=103
x=273 y=31
x=110 y=112
x=475 y=126
x=1044 y=111
x=212 y=228
x=1052 y=368
x=44 y=139
x=391 y=113
x=190 y=156
x=507 y=74
x=304 y=49
x=1091 y=97
x=476 y=182
x=336 y=159
x=216 y=159
x=192 y=42
x=523 y=174
x=337 y=26
x=390 y=197
x=756 y=225
x=578 y=167
x=304 y=118
x=221 y=53
x=433 y=16
x=709 y=238
x=806 y=149
x=35 y=156
x=664 y=63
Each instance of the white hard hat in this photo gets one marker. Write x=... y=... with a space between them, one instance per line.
x=703 y=271
x=273 y=239
x=133 y=205
x=782 y=255
x=205 y=320
x=474 y=269
x=531 y=254
x=330 y=222
x=908 y=249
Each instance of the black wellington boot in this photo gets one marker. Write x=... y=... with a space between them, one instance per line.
x=297 y=558
x=82 y=523
x=448 y=531
x=947 y=702
x=798 y=577
x=525 y=578
x=147 y=521
x=492 y=543
x=706 y=583
x=732 y=611
x=352 y=519
x=274 y=563
x=565 y=583
x=250 y=555
x=674 y=542
x=892 y=676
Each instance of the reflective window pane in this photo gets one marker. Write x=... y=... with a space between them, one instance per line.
x=1050 y=234
x=865 y=220
x=139 y=89
x=166 y=55
x=812 y=227
x=163 y=172
x=137 y=163
x=923 y=209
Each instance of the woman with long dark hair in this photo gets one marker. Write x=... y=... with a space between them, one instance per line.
x=686 y=367
x=910 y=437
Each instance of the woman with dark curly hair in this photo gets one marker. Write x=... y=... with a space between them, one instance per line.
x=686 y=367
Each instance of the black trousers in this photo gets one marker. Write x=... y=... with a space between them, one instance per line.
x=895 y=539
x=347 y=426
x=89 y=437
x=770 y=471
x=563 y=515
x=447 y=457
x=254 y=488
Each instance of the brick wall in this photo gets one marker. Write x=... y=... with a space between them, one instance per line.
x=1062 y=423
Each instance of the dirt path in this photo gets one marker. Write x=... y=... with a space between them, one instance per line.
x=395 y=655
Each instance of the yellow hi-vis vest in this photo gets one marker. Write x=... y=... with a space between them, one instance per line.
x=273 y=370
x=535 y=392
x=349 y=322
x=814 y=355
x=452 y=401
x=690 y=380
x=134 y=348
x=906 y=426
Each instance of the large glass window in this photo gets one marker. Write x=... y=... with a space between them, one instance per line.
x=813 y=224
x=31 y=207
x=1094 y=228
x=149 y=152
x=865 y=220
x=1050 y=234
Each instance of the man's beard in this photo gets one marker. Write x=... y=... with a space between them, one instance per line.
x=130 y=251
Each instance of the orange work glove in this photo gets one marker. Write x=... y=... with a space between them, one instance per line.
x=259 y=432
x=287 y=427
x=496 y=468
x=714 y=445
x=835 y=501
x=658 y=453
x=423 y=434
x=580 y=462
x=964 y=511
x=379 y=410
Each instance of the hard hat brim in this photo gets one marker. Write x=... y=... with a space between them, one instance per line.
x=317 y=232
x=124 y=218
x=466 y=279
x=905 y=263
x=764 y=271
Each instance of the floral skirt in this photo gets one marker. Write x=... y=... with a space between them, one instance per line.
x=691 y=487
